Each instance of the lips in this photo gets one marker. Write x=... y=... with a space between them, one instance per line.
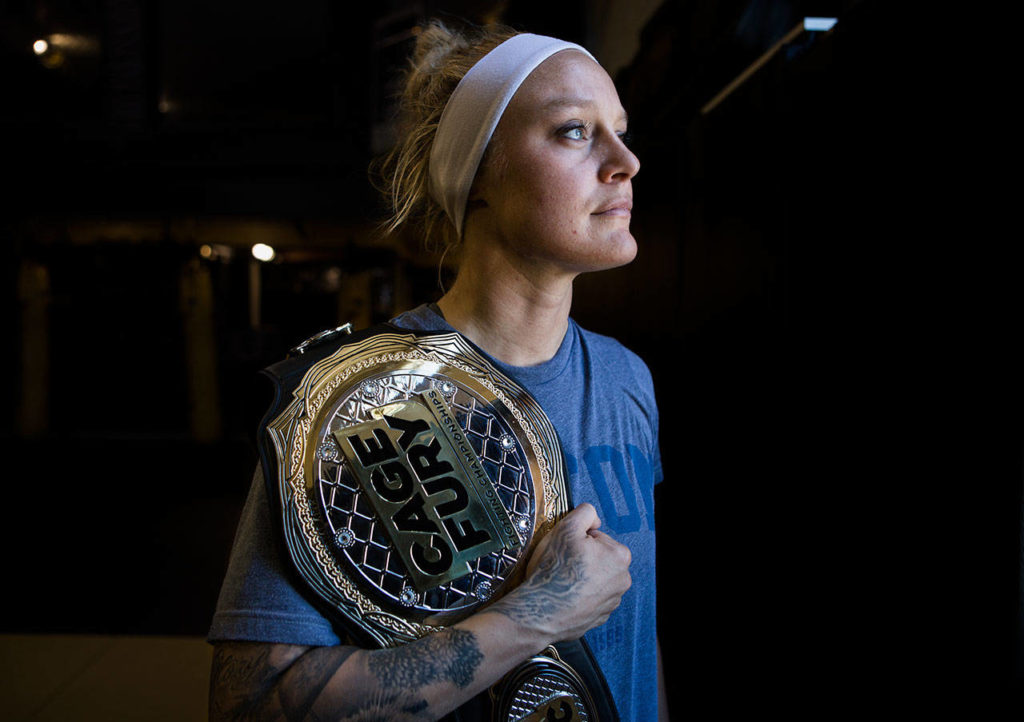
x=617 y=207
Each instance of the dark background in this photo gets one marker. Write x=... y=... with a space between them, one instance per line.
x=839 y=521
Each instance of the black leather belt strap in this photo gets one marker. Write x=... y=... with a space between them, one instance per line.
x=285 y=376
x=577 y=654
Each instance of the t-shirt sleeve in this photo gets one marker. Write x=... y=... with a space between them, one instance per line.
x=258 y=601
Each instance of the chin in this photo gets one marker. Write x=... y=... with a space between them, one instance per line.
x=619 y=252
x=625 y=250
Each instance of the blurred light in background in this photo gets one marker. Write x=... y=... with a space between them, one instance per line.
x=819 y=23
x=216 y=252
x=55 y=48
x=263 y=252
x=75 y=44
x=331 y=281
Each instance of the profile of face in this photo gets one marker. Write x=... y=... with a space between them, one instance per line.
x=556 y=187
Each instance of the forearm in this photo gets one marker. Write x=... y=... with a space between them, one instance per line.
x=419 y=681
x=575 y=579
x=428 y=678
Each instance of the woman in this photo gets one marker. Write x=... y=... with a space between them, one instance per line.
x=513 y=154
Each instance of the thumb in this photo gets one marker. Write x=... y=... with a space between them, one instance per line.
x=574 y=525
x=581 y=520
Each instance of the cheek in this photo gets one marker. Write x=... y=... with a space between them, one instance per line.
x=554 y=194
x=543 y=197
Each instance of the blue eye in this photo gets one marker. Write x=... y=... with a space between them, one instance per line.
x=574 y=132
x=626 y=137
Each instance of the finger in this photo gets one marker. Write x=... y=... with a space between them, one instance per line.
x=617 y=548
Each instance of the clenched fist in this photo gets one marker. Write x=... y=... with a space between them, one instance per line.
x=574 y=580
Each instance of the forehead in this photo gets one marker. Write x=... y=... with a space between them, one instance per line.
x=568 y=79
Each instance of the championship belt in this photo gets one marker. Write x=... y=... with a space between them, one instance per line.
x=413 y=480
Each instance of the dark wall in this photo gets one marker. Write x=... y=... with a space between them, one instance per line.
x=841 y=508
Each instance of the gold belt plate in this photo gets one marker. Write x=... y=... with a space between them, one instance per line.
x=428 y=487
x=414 y=480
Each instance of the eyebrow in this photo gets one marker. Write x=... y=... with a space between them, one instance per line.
x=572 y=102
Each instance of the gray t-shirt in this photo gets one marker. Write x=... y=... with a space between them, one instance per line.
x=600 y=399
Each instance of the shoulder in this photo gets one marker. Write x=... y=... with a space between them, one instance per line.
x=422 y=318
x=608 y=355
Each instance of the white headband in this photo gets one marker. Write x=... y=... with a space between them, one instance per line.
x=473 y=111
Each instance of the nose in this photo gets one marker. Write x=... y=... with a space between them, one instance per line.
x=620 y=164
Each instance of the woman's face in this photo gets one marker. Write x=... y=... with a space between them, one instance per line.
x=556 y=187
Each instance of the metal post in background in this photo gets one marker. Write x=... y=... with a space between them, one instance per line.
x=34 y=301
x=254 y=294
x=200 y=352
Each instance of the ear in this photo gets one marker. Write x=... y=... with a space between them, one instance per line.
x=477 y=194
x=492 y=166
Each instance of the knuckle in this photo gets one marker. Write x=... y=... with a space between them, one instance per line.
x=621 y=552
x=586 y=512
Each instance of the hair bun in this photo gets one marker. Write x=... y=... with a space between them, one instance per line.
x=434 y=43
x=440 y=59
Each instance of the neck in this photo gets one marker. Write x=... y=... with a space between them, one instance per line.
x=515 y=313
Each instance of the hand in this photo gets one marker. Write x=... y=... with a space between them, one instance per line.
x=574 y=580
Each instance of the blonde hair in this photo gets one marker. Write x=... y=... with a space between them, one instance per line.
x=440 y=60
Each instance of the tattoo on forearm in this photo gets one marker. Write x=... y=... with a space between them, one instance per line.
x=315 y=671
x=449 y=656
x=381 y=707
x=550 y=589
x=245 y=681
x=237 y=677
x=251 y=683
x=415 y=707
